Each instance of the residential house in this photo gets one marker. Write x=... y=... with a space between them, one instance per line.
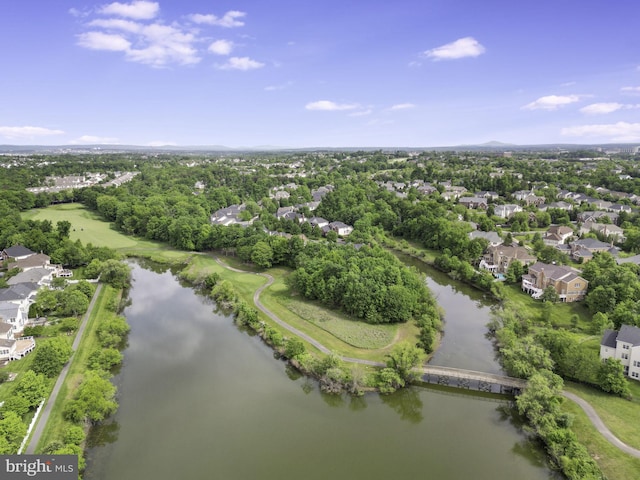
x=488 y=195
x=624 y=346
x=497 y=259
x=318 y=222
x=37 y=260
x=506 y=211
x=473 y=202
x=492 y=237
x=557 y=234
x=227 y=216
x=561 y=205
x=586 y=247
x=453 y=192
x=618 y=208
x=17 y=252
x=20 y=296
x=39 y=276
x=597 y=216
x=567 y=282
x=605 y=229
x=342 y=229
x=282 y=212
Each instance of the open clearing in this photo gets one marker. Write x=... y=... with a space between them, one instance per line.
x=89 y=227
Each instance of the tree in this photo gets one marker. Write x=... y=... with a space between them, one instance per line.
x=32 y=387
x=403 y=358
x=262 y=254
x=63 y=227
x=515 y=272
x=601 y=299
x=104 y=359
x=51 y=356
x=389 y=380
x=94 y=400
x=116 y=273
x=550 y=294
x=294 y=348
x=12 y=431
x=75 y=303
x=611 y=378
x=599 y=323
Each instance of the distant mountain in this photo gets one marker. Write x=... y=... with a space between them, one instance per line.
x=492 y=146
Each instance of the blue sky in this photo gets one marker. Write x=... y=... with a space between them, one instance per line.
x=297 y=73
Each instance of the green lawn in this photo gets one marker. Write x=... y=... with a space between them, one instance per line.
x=89 y=227
x=614 y=463
x=18 y=367
x=353 y=332
x=621 y=416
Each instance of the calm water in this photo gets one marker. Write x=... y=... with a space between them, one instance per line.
x=467 y=312
x=200 y=399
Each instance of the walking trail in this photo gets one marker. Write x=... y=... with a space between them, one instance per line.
x=46 y=412
x=586 y=407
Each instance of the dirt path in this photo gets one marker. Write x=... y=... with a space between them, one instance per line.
x=46 y=411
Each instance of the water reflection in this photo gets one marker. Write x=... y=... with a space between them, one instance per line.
x=406 y=403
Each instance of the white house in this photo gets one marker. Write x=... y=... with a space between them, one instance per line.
x=342 y=229
x=624 y=346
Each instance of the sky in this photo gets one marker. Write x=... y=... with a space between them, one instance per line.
x=328 y=73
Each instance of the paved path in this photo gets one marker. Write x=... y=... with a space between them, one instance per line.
x=600 y=426
x=588 y=409
x=46 y=411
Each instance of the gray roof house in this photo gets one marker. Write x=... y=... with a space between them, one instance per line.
x=623 y=345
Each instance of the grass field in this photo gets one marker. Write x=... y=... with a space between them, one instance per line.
x=614 y=463
x=621 y=416
x=89 y=227
x=353 y=332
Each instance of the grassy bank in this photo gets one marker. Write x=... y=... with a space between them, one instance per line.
x=614 y=463
x=54 y=429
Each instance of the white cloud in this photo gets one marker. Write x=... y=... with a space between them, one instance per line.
x=221 y=47
x=117 y=24
x=327 y=105
x=103 y=41
x=241 y=63
x=403 y=106
x=461 y=48
x=159 y=43
x=601 y=108
x=617 y=132
x=138 y=9
x=632 y=90
x=92 y=139
x=229 y=20
x=551 y=102
x=27 y=132
x=415 y=63
x=568 y=84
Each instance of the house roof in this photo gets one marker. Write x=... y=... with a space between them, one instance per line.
x=17 y=292
x=35 y=260
x=492 y=237
x=8 y=310
x=7 y=343
x=18 y=251
x=30 y=276
x=629 y=334
x=554 y=272
x=591 y=243
x=609 y=338
x=5 y=327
